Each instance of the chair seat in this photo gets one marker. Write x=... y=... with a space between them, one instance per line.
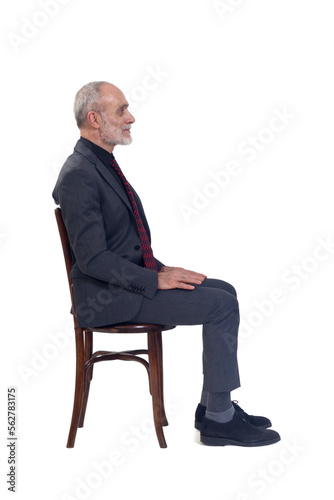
x=129 y=328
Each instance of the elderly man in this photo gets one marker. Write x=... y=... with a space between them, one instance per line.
x=116 y=277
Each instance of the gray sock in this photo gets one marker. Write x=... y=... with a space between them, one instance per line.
x=219 y=407
x=204 y=398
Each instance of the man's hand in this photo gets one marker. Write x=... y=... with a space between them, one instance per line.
x=177 y=277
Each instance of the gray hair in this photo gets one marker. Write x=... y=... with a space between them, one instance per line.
x=85 y=100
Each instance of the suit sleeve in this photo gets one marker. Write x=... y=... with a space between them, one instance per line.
x=159 y=264
x=78 y=196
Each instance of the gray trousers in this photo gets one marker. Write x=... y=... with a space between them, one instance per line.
x=215 y=306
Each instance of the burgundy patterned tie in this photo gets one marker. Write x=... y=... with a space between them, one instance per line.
x=147 y=252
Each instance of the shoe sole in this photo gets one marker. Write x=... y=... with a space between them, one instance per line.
x=212 y=441
x=198 y=426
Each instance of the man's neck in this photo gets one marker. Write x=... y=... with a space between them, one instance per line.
x=96 y=140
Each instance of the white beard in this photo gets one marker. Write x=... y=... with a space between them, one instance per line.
x=112 y=135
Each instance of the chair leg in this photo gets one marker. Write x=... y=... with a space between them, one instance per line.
x=88 y=353
x=153 y=356
x=161 y=381
x=79 y=385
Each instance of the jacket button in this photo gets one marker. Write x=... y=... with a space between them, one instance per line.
x=137 y=247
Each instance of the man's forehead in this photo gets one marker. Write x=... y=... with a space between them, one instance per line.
x=112 y=94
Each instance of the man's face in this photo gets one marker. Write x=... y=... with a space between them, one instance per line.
x=116 y=118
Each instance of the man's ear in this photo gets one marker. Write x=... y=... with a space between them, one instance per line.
x=94 y=119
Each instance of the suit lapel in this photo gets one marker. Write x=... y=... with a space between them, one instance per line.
x=107 y=176
x=111 y=181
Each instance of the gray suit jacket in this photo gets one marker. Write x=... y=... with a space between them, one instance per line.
x=109 y=280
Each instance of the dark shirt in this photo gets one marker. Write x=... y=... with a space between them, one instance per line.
x=105 y=157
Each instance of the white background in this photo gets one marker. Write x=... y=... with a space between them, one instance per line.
x=219 y=77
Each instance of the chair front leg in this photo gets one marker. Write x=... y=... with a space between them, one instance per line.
x=155 y=383
x=88 y=352
x=161 y=381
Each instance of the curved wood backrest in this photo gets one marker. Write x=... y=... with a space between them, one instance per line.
x=65 y=243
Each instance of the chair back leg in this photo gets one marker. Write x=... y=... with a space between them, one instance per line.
x=79 y=386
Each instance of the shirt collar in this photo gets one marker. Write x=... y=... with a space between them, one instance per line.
x=102 y=154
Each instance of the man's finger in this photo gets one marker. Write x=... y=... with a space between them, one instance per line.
x=185 y=286
x=193 y=277
x=196 y=275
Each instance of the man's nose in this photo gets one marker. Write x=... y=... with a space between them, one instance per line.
x=130 y=118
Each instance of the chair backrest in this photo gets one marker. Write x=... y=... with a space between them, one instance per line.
x=65 y=243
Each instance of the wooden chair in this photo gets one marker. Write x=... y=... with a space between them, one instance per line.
x=85 y=358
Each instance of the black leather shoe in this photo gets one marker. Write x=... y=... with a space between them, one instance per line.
x=237 y=432
x=260 y=422
x=199 y=415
